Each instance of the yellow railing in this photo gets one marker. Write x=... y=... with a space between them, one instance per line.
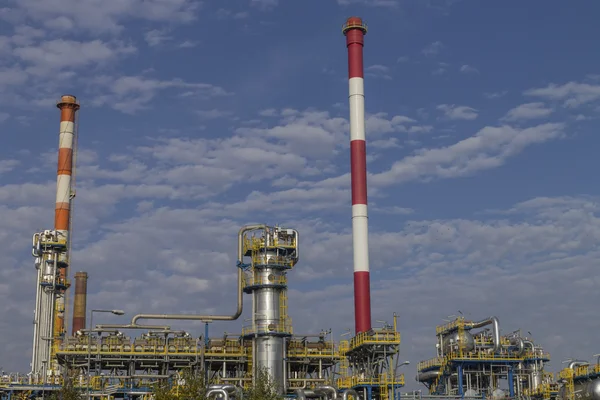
x=344 y=347
x=381 y=380
x=481 y=355
x=261 y=259
x=460 y=321
x=283 y=326
x=255 y=244
x=132 y=349
x=433 y=362
x=379 y=337
x=326 y=352
x=251 y=280
x=545 y=390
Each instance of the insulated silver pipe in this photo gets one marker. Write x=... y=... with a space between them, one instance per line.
x=327 y=389
x=129 y=326
x=350 y=392
x=495 y=329
x=577 y=363
x=240 y=291
x=217 y=391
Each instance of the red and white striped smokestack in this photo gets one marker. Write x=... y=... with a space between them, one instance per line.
x=68 y=106
x=354 y=29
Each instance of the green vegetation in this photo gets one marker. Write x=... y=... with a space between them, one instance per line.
x=264 y=388
x=193 y=387
x=68 y=391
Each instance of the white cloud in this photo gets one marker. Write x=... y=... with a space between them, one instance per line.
x=8 y=165
x=458 y=112
x=373 y=3
x=495 y=95
x=264 y=4
x=224 y=13
x=4 y=116
x=214 y=113
x=574 y=94
x=186 y=44
x=468 y=69
x=433 y=48
x=528 y=111
x=269 y=112
x=156 y=37
x=51 y=56
x=378 y=71
x=489 y=148
x=101 y=16
x=130 y=94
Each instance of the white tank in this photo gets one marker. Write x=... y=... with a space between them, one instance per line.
x=589 y=390
x=498 y=394
x=472 y=393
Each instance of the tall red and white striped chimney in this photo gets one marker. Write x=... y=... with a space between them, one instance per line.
x=68 y=106
x=355 y=29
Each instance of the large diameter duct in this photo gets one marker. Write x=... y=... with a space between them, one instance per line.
x=68 y=106
x=354 y=29
x=495 y=330
x=79 y=302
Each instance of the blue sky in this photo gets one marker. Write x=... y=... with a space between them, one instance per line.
x=199 y=117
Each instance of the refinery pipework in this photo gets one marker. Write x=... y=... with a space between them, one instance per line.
x=484 y=363
x=51 y=252
x=355 y=30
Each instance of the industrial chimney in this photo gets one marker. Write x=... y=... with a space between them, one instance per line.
x=79 y=302
x=355 y=29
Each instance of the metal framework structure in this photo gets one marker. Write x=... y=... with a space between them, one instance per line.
x=580 y=381
x=370 y=363
x=470 y=363
x=474 y=364
x=51 y=253
x=108 y=362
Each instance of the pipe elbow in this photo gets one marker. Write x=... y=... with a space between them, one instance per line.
x=577 y=363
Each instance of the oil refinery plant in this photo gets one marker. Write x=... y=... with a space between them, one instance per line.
x=473 y=359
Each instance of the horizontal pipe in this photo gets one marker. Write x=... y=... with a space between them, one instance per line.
x=129 y=326
x=427 y=376
x=240 y=291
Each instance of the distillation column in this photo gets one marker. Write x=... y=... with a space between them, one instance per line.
x=354 y=30
x=51 y=249
x=273 y=253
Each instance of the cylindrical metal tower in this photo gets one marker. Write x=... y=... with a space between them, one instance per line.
x=68 y=106
x=51 y=249
x=79 y=302
x=354 y=29
x=273 y=253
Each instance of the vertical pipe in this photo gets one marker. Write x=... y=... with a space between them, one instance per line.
x=68 y=106
x=79 y=302
x=354 y=29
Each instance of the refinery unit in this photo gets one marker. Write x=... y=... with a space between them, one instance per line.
x=473 y=359
x=475 y=362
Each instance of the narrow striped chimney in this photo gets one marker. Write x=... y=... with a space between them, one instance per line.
x=355 y=29
x=79 y=302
